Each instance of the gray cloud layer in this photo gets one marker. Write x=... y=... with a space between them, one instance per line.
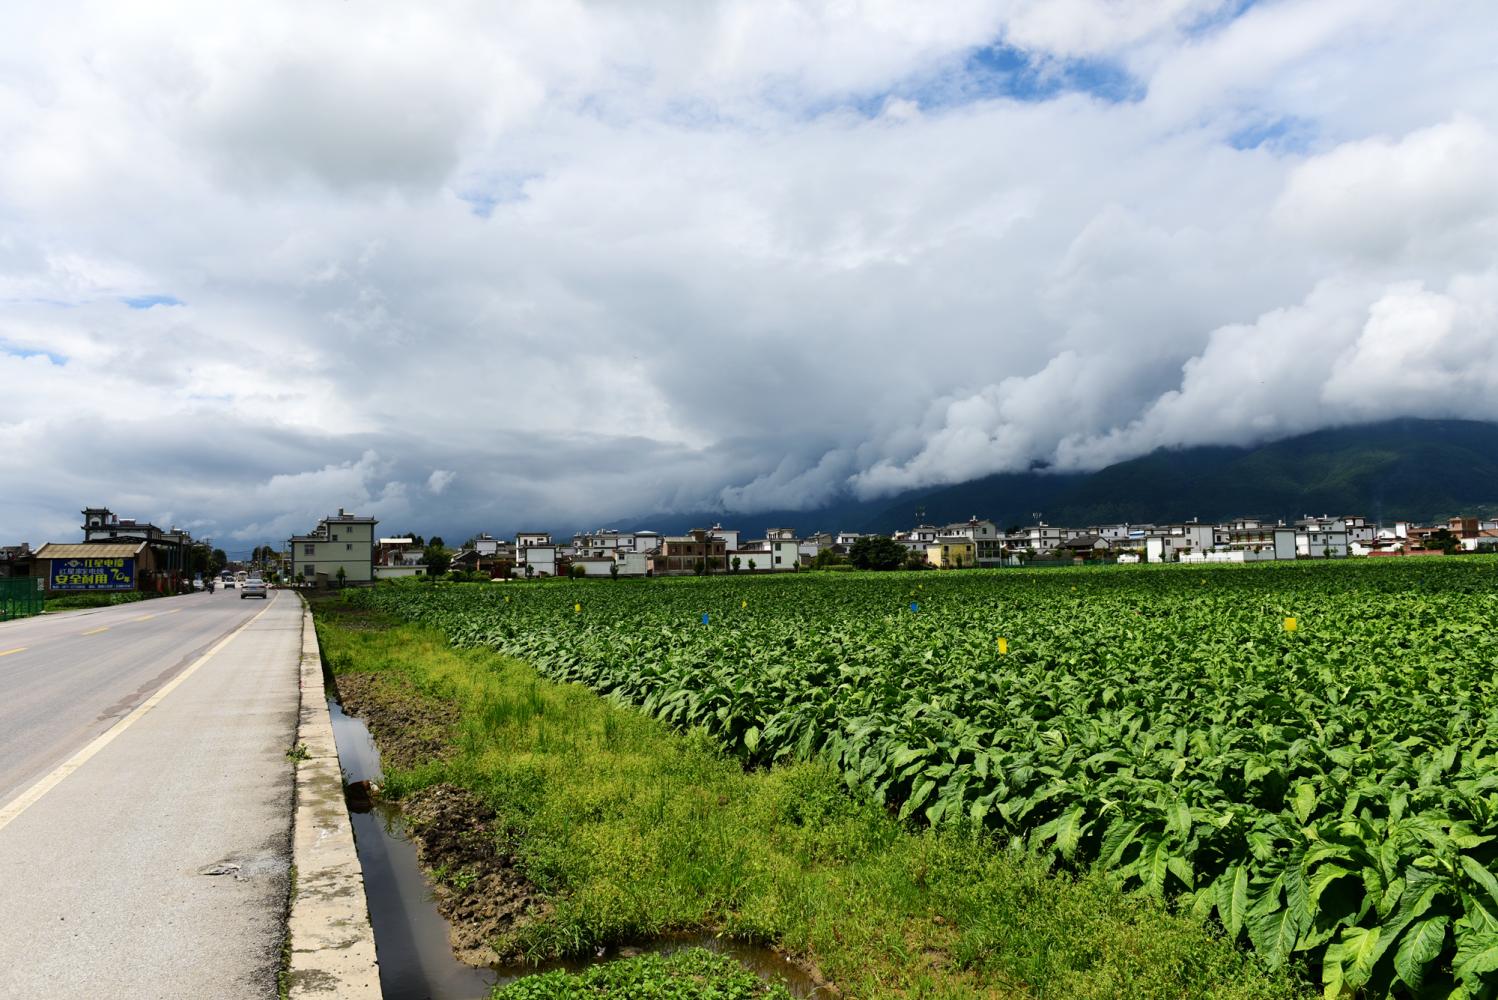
x=469 y=267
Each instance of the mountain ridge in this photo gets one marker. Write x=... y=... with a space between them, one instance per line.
x=1418 y=469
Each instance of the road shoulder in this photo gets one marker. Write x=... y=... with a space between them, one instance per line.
x=332 y=950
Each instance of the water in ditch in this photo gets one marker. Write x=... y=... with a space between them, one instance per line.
x=411 y=936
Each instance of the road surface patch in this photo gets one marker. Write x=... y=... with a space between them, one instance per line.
x=29 y=797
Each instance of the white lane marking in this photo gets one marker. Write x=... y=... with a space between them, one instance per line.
x=28 y=798
x=7 y=652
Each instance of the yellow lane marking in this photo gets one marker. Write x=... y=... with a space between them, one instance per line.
x=7 y=652
x=28 y=798
x=96 y=631
x=171 y=612
x=145 y=618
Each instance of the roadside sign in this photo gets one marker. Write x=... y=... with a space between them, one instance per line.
x=93 y=574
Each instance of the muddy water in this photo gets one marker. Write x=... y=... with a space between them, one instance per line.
x=411 y=937
x=416 y=960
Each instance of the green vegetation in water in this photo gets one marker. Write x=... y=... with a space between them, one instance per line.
x=632 y=830
x=1327 y=790
x=692 y=974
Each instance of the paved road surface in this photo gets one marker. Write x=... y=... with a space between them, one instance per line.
x=103 y=891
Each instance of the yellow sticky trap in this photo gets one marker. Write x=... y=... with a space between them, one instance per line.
x=743 y=604
x=1291 y=625
x=578 y=608
x=1003 y=647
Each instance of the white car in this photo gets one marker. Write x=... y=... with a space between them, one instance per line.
x=253 y=587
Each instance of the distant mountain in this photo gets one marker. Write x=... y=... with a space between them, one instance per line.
x=1420 y=469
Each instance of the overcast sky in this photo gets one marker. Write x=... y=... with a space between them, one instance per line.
x=473 y=265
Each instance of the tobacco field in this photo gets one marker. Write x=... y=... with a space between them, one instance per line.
x=1307 y=753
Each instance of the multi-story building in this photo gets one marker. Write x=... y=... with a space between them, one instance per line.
x=988 y=540
x=170 y=545
x=728 y=536
x=1321 y=537
x=691 y=553
x=344 y=542
x=952 y=552
x=1040 y=537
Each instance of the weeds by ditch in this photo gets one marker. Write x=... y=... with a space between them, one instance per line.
x=629 y=831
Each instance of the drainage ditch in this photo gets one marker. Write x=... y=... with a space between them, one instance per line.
x=412 y=937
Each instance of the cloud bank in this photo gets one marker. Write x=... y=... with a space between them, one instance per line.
x=553 y=263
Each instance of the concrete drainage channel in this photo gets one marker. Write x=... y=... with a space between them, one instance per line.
x=398 y=920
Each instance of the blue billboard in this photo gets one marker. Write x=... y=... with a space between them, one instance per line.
x=93 y=574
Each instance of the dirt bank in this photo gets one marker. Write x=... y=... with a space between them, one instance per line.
x=476 y=886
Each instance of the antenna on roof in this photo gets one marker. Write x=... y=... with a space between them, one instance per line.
x=920 y=515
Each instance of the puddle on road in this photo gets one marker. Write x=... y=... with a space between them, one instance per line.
x=411 y=936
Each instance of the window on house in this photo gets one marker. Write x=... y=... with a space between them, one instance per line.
x=348 y=546
x=309 y=549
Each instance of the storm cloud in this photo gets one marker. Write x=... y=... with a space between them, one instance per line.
x=474 y=267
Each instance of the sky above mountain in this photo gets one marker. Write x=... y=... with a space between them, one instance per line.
x=472 y=265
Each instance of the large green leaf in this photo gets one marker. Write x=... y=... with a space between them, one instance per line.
x=1419 y=946
x=1232 y=898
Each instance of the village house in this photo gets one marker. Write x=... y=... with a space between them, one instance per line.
x=343 y=542
x=696 y=551
x=952 y=552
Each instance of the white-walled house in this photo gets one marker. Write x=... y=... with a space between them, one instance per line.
x=1321 y=537
x=632 y=563
x=1040 y=537
x=594 y=565
x=729 y=536
x=540 y=560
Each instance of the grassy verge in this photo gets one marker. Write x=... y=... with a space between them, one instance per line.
x=73 y=602
x=631 y=830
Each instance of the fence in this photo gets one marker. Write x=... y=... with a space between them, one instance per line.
x=20 y=597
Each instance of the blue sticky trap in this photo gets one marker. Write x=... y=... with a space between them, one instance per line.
x=914 y=606
x=704 y=619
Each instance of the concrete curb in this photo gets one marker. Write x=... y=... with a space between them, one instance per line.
x=332 y=943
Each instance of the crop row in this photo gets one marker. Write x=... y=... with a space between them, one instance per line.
x=1330 y=793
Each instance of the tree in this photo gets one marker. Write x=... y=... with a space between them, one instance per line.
x=877 y=552
x=735 y=564
x=827 y=557
x=577 y=571
x=751 y=564
x=701 y=567
x=438 y=557
x=342 y=576
x=1444 y=540
x=916 y=560
x=217 y=561
x=613 y=571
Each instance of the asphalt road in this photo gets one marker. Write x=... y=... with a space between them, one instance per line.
x=103 y=874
